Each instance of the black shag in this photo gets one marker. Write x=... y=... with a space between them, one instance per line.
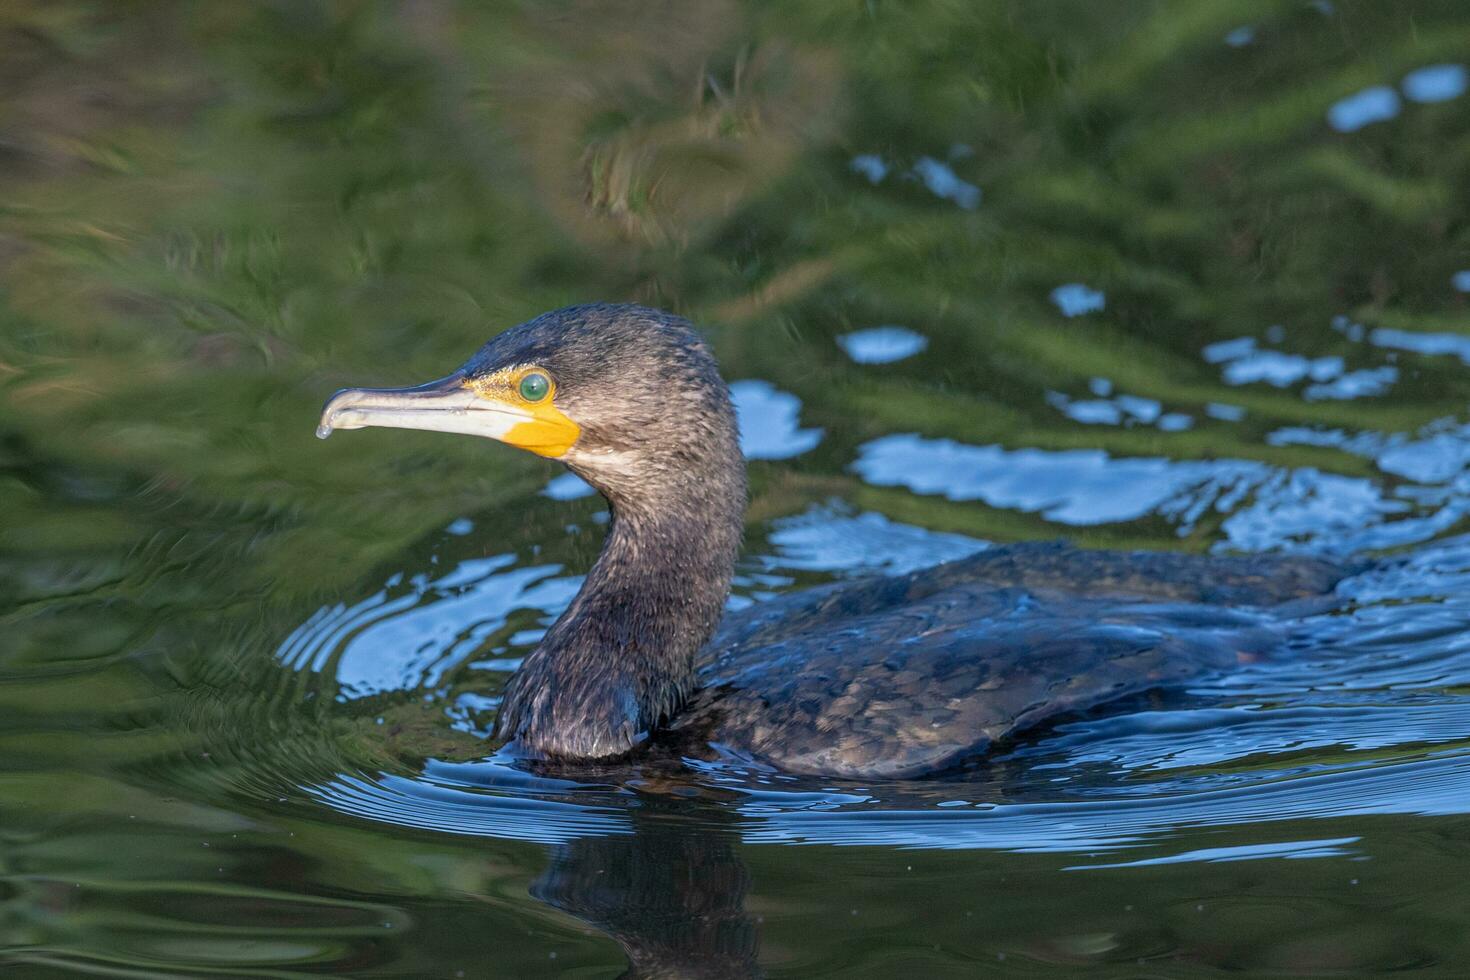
x=889 y=677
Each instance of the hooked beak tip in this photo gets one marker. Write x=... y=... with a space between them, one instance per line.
x=328 y=422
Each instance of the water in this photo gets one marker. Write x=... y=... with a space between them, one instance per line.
x=1175 y=277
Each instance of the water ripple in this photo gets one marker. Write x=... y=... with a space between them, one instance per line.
x=408 y=636
x=1434 y=785
x=425 y=805
x=1268 y=508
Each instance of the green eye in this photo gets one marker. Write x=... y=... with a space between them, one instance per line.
x=534 y=386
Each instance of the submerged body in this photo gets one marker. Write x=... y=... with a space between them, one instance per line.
x=894 y=677
x=915 y=674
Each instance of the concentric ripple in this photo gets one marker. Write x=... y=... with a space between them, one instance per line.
x=1365 y=717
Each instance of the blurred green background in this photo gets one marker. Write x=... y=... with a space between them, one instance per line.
x=214 y=214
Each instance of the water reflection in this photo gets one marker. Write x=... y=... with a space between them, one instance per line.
x=1266 y=507
x=937 y=176
x=870 y=166
x=1078 y=486
x=942 y=182
x=1359 y=444
x=1436 y=83
x=492 y=798
x=1075 y=299
x=1245 y=364
x=127 y=924
x=1430 y=344
x=1118 y=410
x=1434 y=786
x=1375 y=104
x=658 y=872
x=1241 y=36
x=568 y=486
x=770 y=426
x=1380 y=103
x=216 y=213
x=1175 y=422
x=831 y=539
x=1439 y=456
x=1224 y=412
x=1292 y=849
x=882 y=345
x=671 y=893
x=1366 y=383
x=411 y=633
x=1144 y=409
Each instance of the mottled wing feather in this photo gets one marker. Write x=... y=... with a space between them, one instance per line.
x=906 y=675
x=1245 y=580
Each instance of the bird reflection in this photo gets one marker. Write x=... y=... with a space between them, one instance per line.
x=672 y=893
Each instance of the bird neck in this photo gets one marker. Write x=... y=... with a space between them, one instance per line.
x=620 y=660
x=662 y=579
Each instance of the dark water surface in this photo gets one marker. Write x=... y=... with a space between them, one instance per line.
x=1188 y=276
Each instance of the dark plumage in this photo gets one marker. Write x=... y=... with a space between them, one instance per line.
x=892 y=677
x=659 y=441
x=912 y=674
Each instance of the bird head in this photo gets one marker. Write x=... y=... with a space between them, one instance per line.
x=628 y=397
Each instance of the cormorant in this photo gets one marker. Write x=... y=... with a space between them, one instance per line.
x=885 y=678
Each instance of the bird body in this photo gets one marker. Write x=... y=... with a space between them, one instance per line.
x=914 y=674
x=887 y=678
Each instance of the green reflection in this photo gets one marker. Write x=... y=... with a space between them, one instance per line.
x=212 y=215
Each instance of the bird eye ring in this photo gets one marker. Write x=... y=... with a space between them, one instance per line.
x=534 y=386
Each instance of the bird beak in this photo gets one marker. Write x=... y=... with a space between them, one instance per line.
x=451 y=405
